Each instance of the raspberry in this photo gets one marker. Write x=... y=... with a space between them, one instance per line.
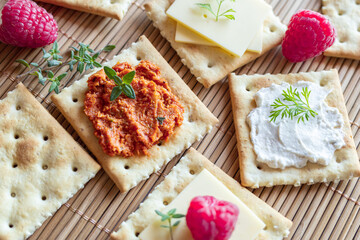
x=25 y=24
x=211 y=219
x=309 y=34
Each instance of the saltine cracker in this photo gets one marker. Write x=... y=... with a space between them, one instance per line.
x=193 y=162
x=345 y=163
x=107 y=8
x=41 y=165
x=128 y=172
x=210 y=64
x=344 y=15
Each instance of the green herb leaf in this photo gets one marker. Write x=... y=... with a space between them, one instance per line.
x=50 y=74
x=110 y=73
x=34 y=64
x=161 y=120
x=176 y=223
x=129 y=91
x=54 y=62
x=178 y=215
x=80 y=67
x=168 y=217
x=52 y=86
x=115 y=93
x=96 y=64
x=60 y=77
x=172 y=211
x=127 y=79
x=108 y=48
x=208 y=7
x=292 y=105
x=23 y=62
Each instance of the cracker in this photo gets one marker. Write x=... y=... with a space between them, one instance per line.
x=41 y=165
x=345 y=164
x=107 y=8
x=193 y=162
x=344 y=14
x=128 y=172
x=210 y=64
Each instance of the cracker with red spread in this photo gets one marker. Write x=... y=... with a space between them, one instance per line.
x=127 y=172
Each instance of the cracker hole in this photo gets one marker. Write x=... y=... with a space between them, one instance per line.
x=159 y=143
x=338 y=160
x=322 y=83
x=13 y=195
x=357 y=2
x=259 y=167
x=137 y=234
x=138 y=58
x=205 y=16
x=18 y=108
x=127 y=167
x=75 y=100
x=11 y=225
x=43 y=198
x=342 y=40
x=192 y=172
x=272 y=29
x=165 y=202
x=210 y=65
x=341 y=12
x=46 y=138
x=16 y=136
x=15 y=165
x=358 y=29
x=248 y=88
x=45 y=167
x=75 y=169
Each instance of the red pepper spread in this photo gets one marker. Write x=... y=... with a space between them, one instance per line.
x=126 y=126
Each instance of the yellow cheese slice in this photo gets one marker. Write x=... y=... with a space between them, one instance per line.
x=248 y=225
x=233 y=36
x=185 y=35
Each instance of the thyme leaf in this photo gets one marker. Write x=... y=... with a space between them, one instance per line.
x=83 y=57
x=122 y=85
x=170 y=215
x=227 y=13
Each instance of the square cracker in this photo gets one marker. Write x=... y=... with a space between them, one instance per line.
x=128 y=172
x=344 y=14
x=277 y=226
x=253 y=174
x=41 y=165
x=210 y=64
x=107 y=8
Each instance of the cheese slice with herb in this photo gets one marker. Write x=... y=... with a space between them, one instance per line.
x=248 y=225
x=234 y=36
x=185 y=35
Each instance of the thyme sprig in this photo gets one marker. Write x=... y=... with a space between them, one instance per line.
x=122 y=85
x=228 y=13
x=170 y=215
x=83 y=57
x=293 y=105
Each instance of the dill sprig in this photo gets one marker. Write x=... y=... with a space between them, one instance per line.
x=228 y=13
x=292 y=105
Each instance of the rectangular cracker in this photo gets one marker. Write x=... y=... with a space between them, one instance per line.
x=193 y=162
x=345 y=163
x=344 y=14
x=41 y=165
x=107 y=8
x=128 y=172
x=210 y=64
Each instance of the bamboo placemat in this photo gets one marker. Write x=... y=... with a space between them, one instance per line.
x=320 y=211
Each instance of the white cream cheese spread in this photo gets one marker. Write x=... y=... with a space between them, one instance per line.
x=287 y=142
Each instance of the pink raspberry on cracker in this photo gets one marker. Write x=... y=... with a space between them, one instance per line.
x=309 y=34
x=211 y=219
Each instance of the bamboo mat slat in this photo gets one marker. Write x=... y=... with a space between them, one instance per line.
x=320 y=211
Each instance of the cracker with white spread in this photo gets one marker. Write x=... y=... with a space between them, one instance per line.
x=107 y=8
x=128 y=172
x=277 y=226
x=344 y=14
x=41 y=165
x=210 y=64
x=344 y=164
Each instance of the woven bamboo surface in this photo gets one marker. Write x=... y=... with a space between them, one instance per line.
x=320 y=211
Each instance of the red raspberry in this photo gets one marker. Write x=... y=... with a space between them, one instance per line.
x=211 y=219
x=25 y=24
x=309 y=34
